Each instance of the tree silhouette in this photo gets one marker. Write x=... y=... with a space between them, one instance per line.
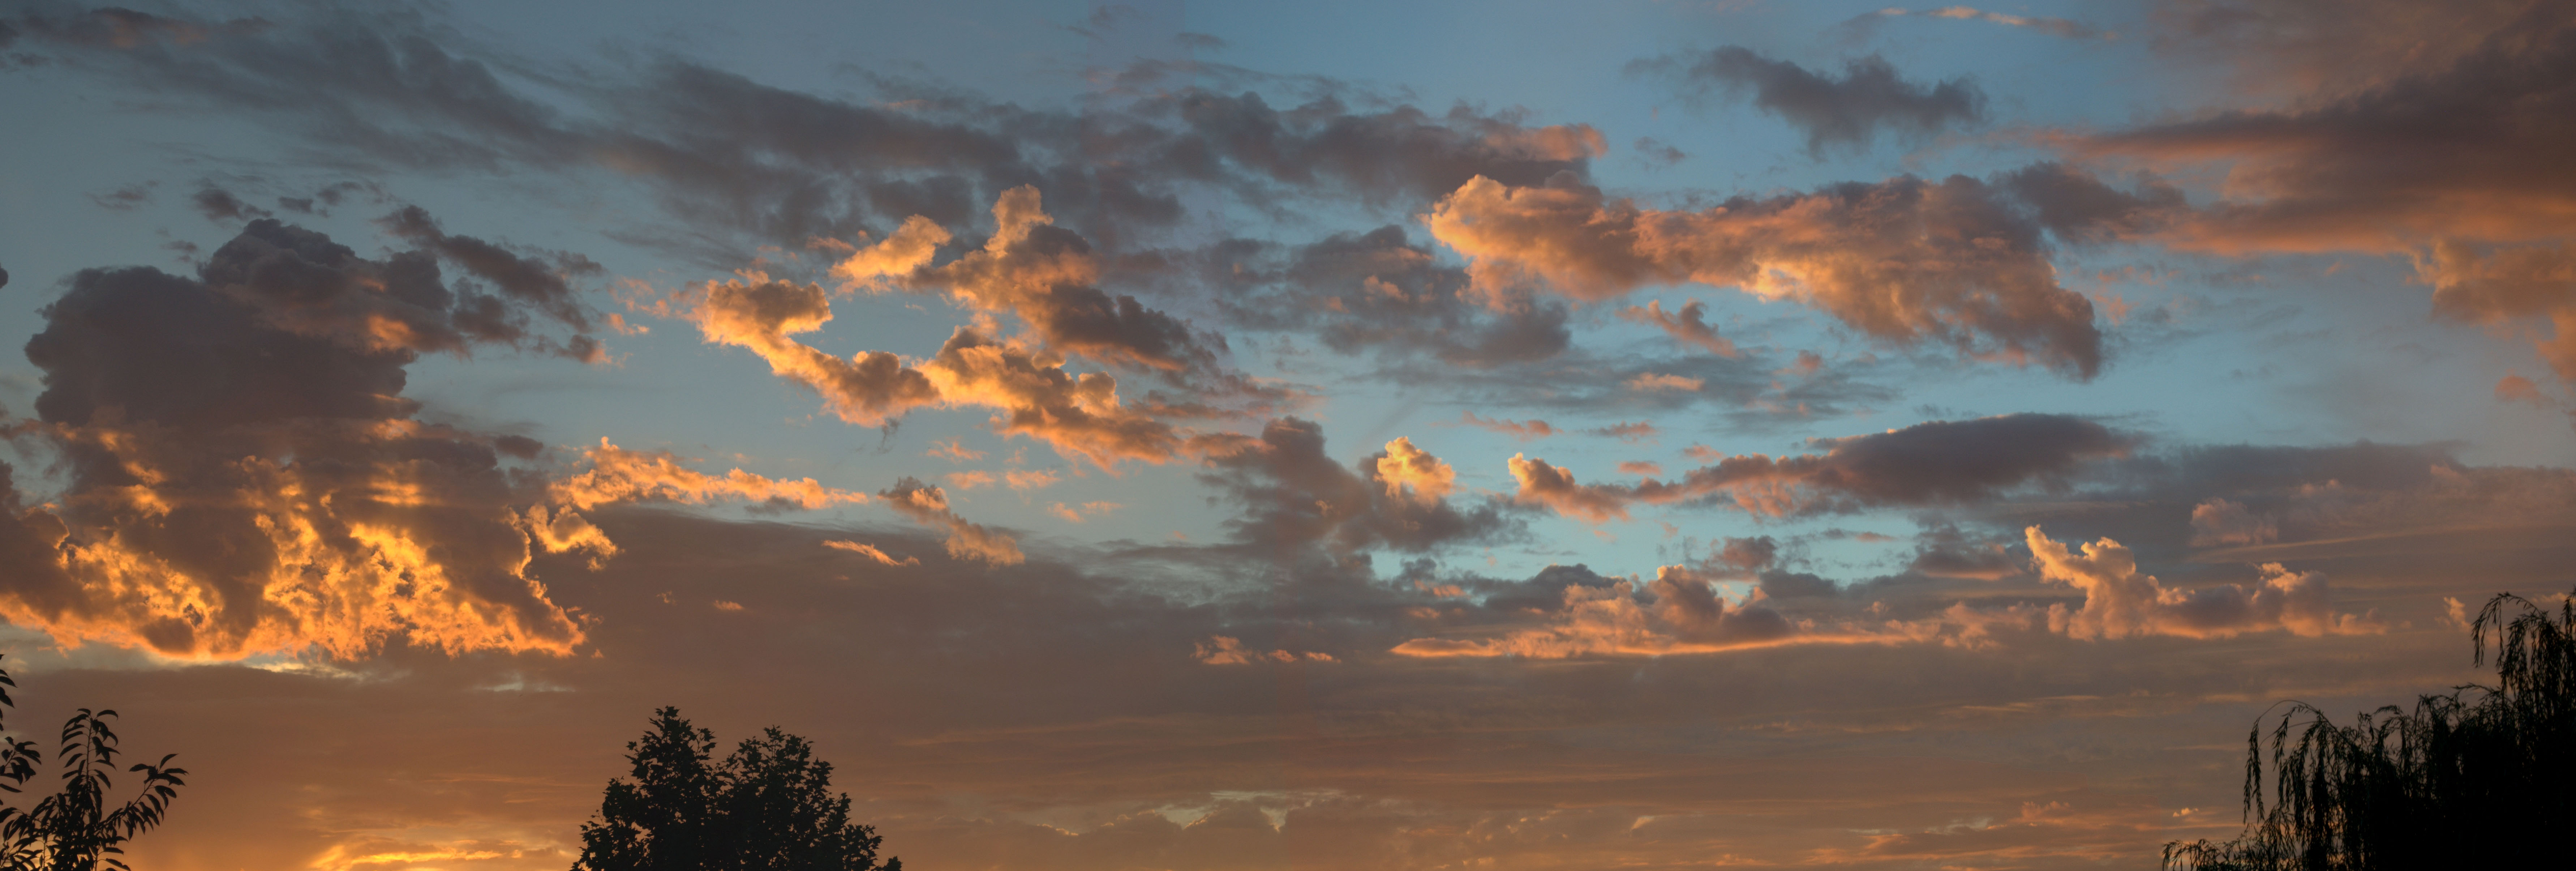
x=73 y=829
x=2480 y=777
x=767 y=807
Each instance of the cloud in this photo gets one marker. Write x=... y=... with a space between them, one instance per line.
x=1631 y=432
x=868 y=389
x=1850 y=111
x=1524 y=430
x=1412 y=473
x=218 y=204
x=928 y=506
x=1686 y=326
x=1544 y=484
x=1226 y=650
x=620 y=475
x=1378 y=291
x=1080 y=415
x=1651 y=381
x=2515 y=388
x=2435 y=135
x=2530 y=281
x=2121 y=602
x=1294 y=495
x=870 y=551
x=1043 y=274
x=2058 y=27
x=302 y=281
x=1935 y=463
x=241 y=473
x=1083 y=512
x=538 y=280
x=1679 y=615
x=1903 y=261
x=399 y=89
x=2219 y=522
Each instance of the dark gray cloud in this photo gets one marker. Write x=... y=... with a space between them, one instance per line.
x=541 y=281
x=1378 y=292
x=218 y=204
x=1935 y=463
x=1849 y=111
x=737 y=158
x=244 y=474
x=1294 y=495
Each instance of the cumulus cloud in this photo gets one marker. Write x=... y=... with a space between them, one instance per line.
x=1293 y=494
x=2121 y=602
x=1957 y=262
x=303 y=281
x=243 y=475
x=1044 y=275
x=1940 y=462
x=926 y=505
x=1850 y=111
x=1080 y=415
x=1688 y=326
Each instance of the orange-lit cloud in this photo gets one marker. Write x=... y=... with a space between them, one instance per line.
x=871 y=552
x=1079 y=414
x=929 y=507
x=1688 y=326
x=1905 y=260
x=620 y=475
x=1682 y=616
x=1044 y=275
x=2120 y=601
x=1411 y=472
x=1228 y=650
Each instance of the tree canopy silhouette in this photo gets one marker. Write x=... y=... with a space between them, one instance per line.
x=2480 y=777
x=74 y=829
x=766 y=807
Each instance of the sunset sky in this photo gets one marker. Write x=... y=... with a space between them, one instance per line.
x=1324 y=435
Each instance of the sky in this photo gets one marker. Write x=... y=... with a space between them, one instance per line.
x=1432 y=435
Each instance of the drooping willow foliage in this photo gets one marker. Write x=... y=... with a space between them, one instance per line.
x=2481 y=777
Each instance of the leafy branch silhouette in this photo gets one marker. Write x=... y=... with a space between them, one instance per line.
x=74 y=829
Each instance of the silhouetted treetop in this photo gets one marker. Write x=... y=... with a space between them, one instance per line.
x=767 y=807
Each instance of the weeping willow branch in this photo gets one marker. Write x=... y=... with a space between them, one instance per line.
x=2479 y=777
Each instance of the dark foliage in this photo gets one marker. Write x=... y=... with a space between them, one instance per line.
x=767 y=807
x=74 y=829
x=2483 y=777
